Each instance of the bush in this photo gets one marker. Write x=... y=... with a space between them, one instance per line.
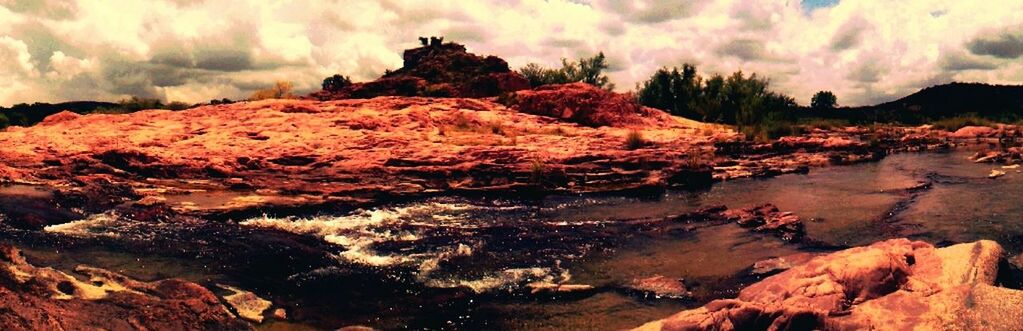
x=280 y=90
x=634 y=140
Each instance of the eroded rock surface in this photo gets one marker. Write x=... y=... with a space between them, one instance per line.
x=33 y=298
x=304 y=153
x=896 y=284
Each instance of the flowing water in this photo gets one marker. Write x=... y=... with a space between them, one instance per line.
x=457 y=263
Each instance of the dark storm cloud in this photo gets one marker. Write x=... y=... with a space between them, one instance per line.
x=1006 y=45
x=963 y=62
x=745 y=49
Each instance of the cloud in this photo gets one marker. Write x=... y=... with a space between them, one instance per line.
x=1006 y=45
x=196 y=50
x=745 y=49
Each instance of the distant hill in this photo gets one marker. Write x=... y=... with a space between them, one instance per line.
x=994 y=101
x=28 y=114
x=1002 y=103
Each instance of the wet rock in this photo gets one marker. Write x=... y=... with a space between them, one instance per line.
x=280 y=314
x=247 y=304
x=779 y=264
x=660 y=287
x=894 y=284
x=34 y=298
x=767 y=218
x=548 y=288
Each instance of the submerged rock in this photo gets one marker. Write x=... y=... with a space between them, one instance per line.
x=660 y=287
x=33 y=298
x=779 y=264
x=246 y=304
x=767 y=218
x=894 y=284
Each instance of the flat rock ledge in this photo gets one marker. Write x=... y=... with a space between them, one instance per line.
x=34 y=298
x=896 y=284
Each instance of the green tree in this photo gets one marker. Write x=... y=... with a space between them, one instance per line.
x=336 y=82
x=587 y=70
x=824 y=100
x=675 y=91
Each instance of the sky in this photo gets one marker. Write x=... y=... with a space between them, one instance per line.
x=196 y=50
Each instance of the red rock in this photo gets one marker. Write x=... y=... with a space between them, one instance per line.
x=34 y=298
x=438 y=70
x=584 y=104
x=348 y=152
x=975 y=132
x=896 y=284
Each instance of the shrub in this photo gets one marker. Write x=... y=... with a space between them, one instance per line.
x=280 y=90
x=634 y=140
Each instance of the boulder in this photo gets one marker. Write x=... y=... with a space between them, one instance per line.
x=893 y=285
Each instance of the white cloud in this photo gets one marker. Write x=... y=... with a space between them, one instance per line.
x=195 y=50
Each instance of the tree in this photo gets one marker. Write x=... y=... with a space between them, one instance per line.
x=280 y=90
x=336 y=83
x=587 y=70
x=824 y=100
x=675 y=91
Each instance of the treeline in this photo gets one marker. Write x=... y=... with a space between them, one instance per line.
x=738 y=99
x=24 y=114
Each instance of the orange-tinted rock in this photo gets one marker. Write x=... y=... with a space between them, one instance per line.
x=584 y=104
x=34 y=298
x=975 y=132
x=896 y=284
x=303 y=152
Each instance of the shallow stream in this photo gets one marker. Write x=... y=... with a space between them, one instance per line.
x=455 y=263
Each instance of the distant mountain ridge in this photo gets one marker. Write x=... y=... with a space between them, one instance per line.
x=961 y=98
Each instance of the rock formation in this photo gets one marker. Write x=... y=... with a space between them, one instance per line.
x=896 y=284
x=46 y=299
x=439 y=70
x=347 y=152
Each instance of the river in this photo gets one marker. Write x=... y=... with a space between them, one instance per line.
x=461 y=263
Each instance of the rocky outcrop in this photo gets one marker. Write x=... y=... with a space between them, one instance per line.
x=33 y=298
x=584 y=104
x=290 y=153
x=438 y=70
x=896 y=284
